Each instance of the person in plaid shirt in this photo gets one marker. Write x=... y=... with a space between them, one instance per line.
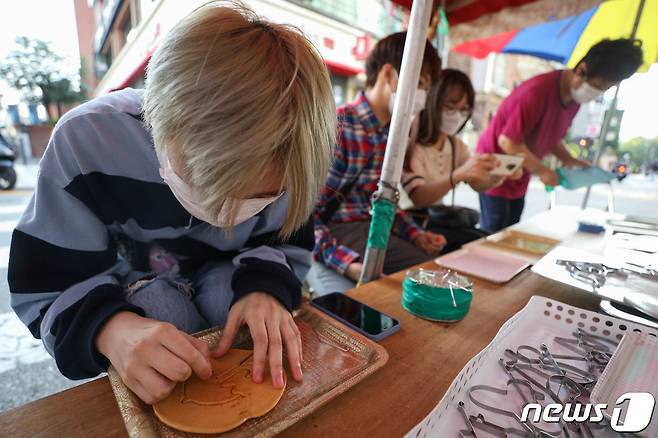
x=342 y=215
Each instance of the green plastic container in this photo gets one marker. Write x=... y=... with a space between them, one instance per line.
x=437 y=295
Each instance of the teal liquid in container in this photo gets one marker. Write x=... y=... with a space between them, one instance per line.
x=437 y=295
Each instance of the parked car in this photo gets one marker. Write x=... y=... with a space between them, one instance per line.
x=7 y=171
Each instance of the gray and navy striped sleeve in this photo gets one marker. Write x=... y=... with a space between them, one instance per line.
x=276 y=266
x=63 y=267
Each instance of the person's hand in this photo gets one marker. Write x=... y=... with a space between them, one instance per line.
x=271 y=327
x=151 y=356
x=353 y=271
x=431 y=243
x=476 y=169
x=576 y=162
x=514 y=176
x=549 y=177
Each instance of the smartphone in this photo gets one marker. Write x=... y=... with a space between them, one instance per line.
x=364 y=319
x=507 y=164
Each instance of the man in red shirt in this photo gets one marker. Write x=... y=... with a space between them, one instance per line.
x=534 y=119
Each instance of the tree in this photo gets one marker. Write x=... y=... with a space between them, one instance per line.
x=641 y=150
x=37 y=73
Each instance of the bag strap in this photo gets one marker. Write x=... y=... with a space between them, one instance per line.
x=453 y=159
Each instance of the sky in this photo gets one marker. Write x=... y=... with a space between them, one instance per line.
x=54 y=20
x=638 y=97
x=48 y=20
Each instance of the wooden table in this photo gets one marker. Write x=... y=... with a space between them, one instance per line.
x=424 y=359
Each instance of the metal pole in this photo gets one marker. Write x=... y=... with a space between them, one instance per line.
x=613 y=106
x=604 y=132
x=396 y=144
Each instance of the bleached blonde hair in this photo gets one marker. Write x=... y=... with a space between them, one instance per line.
x=234 y=97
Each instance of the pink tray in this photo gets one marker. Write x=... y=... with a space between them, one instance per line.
x=488 y=265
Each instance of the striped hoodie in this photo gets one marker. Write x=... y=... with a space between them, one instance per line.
x=99 y=204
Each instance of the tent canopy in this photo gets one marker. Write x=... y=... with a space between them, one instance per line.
x=461 y=11
x=568 y=39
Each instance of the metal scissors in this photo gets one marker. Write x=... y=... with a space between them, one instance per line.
x=597 y=355
x=546 y=362
x=594 y=274
x=529 y=429
x=494 y=429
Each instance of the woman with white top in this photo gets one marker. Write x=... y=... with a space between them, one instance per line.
x=438 y=160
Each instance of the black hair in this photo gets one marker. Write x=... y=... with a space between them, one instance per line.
x=429 y=127
x=613 y=60
x=389 y=51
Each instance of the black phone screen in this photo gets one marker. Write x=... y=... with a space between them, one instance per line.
x=356 y=313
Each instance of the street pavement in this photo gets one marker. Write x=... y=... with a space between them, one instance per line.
x=636 y=195
x=27 y=372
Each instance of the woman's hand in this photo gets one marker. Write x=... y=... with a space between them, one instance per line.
x=515 y=176
x=431 y=243
x=353 y=271
x=151 y=356
x=271 y=327
x=476 y=169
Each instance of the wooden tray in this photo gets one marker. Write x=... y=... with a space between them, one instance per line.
x=522 y=242
x=335 y=359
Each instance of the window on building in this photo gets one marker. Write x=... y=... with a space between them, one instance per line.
x=500 y=77
x=136 y=6
x=339 y=85
x=103 y=60
x=378 y=17
x=124 y=24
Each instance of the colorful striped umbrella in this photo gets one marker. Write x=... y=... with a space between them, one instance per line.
x=567 y=40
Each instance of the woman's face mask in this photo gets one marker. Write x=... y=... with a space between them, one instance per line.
x=188 y=198
x=452 y=120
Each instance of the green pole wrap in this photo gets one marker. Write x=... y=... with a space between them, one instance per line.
x=443 y=27
x=383 y=213
x=436 y=303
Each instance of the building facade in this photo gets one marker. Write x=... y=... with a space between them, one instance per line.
x=128 y=31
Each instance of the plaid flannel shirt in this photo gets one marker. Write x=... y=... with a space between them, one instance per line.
x=359 y=156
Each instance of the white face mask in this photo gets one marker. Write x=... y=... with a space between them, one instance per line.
x=585 y=93
x=247 y=209
x=420 y=98
x=452 y=121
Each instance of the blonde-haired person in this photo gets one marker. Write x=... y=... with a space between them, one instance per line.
x=137 y=236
